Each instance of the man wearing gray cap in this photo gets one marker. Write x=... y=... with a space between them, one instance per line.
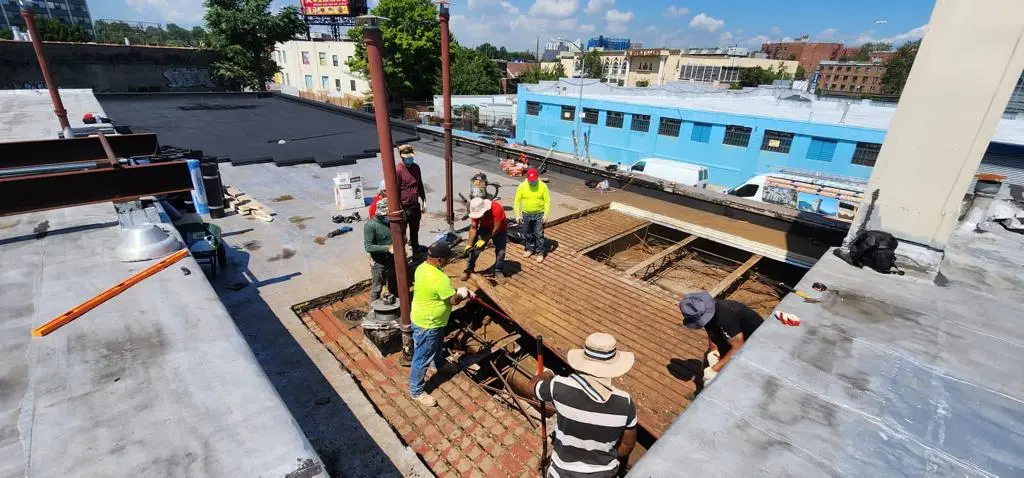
x=729 y=324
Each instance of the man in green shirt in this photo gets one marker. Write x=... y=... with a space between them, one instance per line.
x=532 y=208
x=432 y=301
x=377 y=243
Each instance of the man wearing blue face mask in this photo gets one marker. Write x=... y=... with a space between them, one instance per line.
x=413 y=195
x=377 y=243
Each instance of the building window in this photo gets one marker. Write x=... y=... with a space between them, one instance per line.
x=866 y=154
x=589 y=116
x=334 y=59
x=305 y=58
x=337 y=85
x=325 y=82
x=669 y=127
x=614 y=120
x=701 y=133
x=846 y=77
x=309 y=82
x=284 y=57
x=737 y=136
x=867 y=69
x=842 y=87
x=858 y=68
x=777 y=141
x=641 y=123
x=568 y=113
x=288 y=79
x=847 y=68
x=352 y=85
x=821 y=149
x=532 y=108
x=323 y=58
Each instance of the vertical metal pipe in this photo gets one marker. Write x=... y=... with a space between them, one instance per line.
x=37 y=45
x=446 y=86
x=372 y=37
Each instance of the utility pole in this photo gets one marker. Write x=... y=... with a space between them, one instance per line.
x=374 y=44
x=446 y=91
x=37 y=45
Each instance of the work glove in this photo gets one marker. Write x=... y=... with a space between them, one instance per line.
x=787 y=319
x=713 y=357
x=480 y=244
x=391 y=249
x=709 y=375
x=423 y=207
x=463 y=293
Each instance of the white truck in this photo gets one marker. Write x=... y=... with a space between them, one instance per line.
x=839 y=198
x=679 y=172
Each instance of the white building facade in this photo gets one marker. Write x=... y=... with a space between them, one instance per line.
x=319 y=67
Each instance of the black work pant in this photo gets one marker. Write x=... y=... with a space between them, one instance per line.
x=413 y=215
x=381 y=273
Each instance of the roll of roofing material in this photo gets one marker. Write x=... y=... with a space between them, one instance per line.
x=198 y=191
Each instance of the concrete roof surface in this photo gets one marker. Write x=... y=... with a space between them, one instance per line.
x=760 y=102
x=894 y=376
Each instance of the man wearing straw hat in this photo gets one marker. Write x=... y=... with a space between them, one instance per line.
x=596 y=428
x=488 y=222
x=412 y=194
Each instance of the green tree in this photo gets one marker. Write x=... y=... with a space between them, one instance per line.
x=801 y=73
x=55 y=30
x=642 y=83
x=244 y=33
x=472 y=73
x=756 y=76
x=199 y=36
x=6 y=34
x=488 y=50
x=864 y=53
x=411 y=49
x=592 y=67
x=116 y=32
x=538 y=74
x=897 y=69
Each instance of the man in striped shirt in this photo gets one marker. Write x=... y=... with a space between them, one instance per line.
x=596 y=428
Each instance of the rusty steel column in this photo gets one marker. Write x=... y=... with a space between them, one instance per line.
x=446 y=87
x=37 y=45
x=374 y=44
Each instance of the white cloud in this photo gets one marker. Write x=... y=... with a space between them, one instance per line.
x=787 y=39
x=896 y=40
x=739 y=31
x=509 y=8
x=827 y=34
x=615 y=16
x=595 y=7
x=758 y=40
x=725 y=37
x=704 y=22
x=674 y=11
x=651 y=29
x=180 y=11
x=776 y=30
x=554 y=8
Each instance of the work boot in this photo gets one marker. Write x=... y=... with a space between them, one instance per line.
x=527 y=253
x=464 y=277
x=499 y=277
x=426 y=400
x=540 y=258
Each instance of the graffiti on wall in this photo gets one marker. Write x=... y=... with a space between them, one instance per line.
x=188 y=78
x=30 y=85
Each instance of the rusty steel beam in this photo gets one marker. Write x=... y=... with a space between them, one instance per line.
x=19 y=154
x=612 y=239
x=735 y=276
x=50 y=191
x=659 y=256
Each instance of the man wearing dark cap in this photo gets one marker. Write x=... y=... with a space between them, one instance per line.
x=432 y=301
x=377 y=243
x=729 y=325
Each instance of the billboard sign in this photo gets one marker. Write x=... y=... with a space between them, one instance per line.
x=342 y=8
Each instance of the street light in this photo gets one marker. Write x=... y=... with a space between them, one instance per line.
x=577 y=124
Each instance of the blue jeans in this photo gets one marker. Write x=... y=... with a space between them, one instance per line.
x=500 y=242
x=426 y=349
x=533 y=230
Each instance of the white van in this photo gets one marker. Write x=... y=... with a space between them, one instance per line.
x=678 y=172
x=838 y=198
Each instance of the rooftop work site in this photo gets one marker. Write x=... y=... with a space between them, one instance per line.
x=243 y=281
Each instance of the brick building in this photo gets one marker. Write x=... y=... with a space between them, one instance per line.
x=850 y=78
x=809 y=54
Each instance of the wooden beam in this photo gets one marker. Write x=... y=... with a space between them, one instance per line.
x=614 y=238
x=659 y=256
x=735 y=276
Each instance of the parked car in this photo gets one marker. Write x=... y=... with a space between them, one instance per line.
x=678 y=172
x=833 y=197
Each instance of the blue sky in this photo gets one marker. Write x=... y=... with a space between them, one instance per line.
x=672 y=23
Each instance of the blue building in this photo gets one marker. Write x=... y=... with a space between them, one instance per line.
x=735 y=134
x=608 y=43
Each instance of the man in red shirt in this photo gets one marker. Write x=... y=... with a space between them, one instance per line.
x=413 y=195
x=487 y=223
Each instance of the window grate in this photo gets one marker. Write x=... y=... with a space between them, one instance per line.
x=614 y=120
x=669 y=127
x=568 y=113
x=641 y=123
x=821 y=149
x=532 y=108
x=590 y=116
x=866 y=154
x=701 y=133
x=777 y=141
x=737 y=136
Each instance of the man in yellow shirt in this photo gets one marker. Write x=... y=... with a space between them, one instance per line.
x=532 y=208
x=432 y=301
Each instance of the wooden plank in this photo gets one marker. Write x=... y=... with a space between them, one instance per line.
x=735 y=276
x=613 y=238
x=657 y=257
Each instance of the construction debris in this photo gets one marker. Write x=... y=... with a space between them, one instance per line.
x=243 y=205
